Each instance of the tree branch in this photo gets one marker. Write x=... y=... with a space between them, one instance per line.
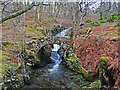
x=18 y=13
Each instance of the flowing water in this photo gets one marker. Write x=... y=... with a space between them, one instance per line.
x=55 y=75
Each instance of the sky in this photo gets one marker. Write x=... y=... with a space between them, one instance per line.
x=92 y=7
x=64 y=0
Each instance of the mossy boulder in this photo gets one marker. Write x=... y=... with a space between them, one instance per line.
x=30 y=57
x=103 y=21
x=106 y=76
x=88 y=21
x=116 y=25
x=96 y=84
x=10 y=75
x=95 y=23
x=115 y=39
x=74 y=63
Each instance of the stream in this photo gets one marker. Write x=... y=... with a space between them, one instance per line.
x=56 y=74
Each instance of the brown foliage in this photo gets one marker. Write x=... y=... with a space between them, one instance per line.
x=93 y=48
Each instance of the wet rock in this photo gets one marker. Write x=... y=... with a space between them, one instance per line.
x=29 y=64
x=26 y=78
x=12 y=77
x=8 y=81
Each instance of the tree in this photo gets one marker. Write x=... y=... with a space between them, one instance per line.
x=15 y=13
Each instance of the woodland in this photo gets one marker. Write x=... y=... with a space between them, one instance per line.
x=59 y=44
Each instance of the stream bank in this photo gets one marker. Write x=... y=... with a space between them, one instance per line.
x=52 y=72
x=60 y=78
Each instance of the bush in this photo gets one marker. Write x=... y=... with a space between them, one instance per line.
x=103 y=21
x=88 y=21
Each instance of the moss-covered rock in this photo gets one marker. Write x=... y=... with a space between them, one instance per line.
x=106 y=75
x=116 y=25
x=74 y=63
x=95 y=23
x=88 y=21
x=103 y=21
x=96 y=84
x=115 y=39
x=10 y=75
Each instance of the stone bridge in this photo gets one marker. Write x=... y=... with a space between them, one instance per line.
x=37 y=44
x=61 y=39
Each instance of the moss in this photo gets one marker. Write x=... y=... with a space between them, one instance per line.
x=25 y=25
x=82 y=24
x=34 y=38
x=19 y=75
x=74 y=64
x=95 y=84
x=27 y=69
x=101 y=26
x=25 y=53
x=103 y=64
x=4 y=17
x=113 y=16
x=95 y=23
x=5 y=42
x=83 y=35
x=11 y=16
x=29 y=6
x=116 y=25
x=88 y=21
x=5 y=66
x=5 y=53
x=26 y=43
x=111 y=28
x=103 y=21
x=4 y=57
x=30 y=30
x=16 y=43
x=86 y=31
x=115 y=39
x=33 y=41
x=32 y=49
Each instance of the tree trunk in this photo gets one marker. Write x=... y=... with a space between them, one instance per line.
x=101 y=13
x=36 y=17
